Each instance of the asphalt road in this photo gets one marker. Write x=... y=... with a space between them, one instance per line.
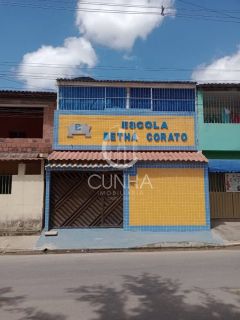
x=190 y=285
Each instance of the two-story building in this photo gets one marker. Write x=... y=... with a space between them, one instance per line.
x=26 y=131
x=126 y=156
x=219 y=138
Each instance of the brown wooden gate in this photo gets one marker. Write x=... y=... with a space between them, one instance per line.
x=223 y=205
x=86 y=199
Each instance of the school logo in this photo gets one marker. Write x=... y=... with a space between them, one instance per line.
x=79 y=129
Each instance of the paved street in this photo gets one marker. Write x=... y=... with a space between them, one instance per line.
x=102 y=286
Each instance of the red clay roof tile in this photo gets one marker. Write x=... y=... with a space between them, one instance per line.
x=127 y=155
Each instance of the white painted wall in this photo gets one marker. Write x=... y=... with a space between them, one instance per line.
x=23 y=208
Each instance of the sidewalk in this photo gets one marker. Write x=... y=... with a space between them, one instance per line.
x=223 y=234
x=119 y=239
x=11 y=244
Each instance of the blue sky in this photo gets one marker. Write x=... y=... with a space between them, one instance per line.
x=180 y=42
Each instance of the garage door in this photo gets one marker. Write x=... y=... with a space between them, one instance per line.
x=86 y=199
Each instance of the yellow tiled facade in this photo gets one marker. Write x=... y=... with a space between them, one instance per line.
x=113 y=123
x=145 y=135
x=167 y=197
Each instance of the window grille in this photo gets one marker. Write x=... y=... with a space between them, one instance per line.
x=163 y=99
x=91 y=98
x=116 y=97
x=221 y=107
x=100 y=98
x=140 y=98
x=173 y=100
x=5 y=184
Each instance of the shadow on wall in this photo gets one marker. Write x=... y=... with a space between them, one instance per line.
x=152 y=298
x=12 y=304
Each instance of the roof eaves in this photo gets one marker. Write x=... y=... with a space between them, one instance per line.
x=218 y=85
x=32 y=94
x=90 y=80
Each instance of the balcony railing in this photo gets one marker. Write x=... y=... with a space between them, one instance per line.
x=221 y=107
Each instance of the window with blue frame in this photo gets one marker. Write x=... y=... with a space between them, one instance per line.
x=116 y=97
x=91 y=98
x=140 y=98
x=173 y=100
x=81 y=98
x=100 y=98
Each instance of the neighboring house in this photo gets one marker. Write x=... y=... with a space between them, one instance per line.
x=219 y=138
x=26 y=131
x=126 y=156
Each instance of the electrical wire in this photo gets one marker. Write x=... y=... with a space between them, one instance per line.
x=106 y=67
x=199 y=13
x=233 y=19
x=222 y=12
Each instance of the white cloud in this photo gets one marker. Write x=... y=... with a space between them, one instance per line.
x=118 y=30
x=40 y=68
x=225 y=69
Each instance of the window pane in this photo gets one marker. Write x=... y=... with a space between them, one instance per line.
x=173 y=100
x=91 y=98
x=140 y=103
x=140 y=98
x=116 y=97
x=140 y=93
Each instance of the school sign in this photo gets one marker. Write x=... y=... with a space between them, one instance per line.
x=125 y=131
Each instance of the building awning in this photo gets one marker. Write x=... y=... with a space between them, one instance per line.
x=9 y=156
x=76 y=156
x=222 y=165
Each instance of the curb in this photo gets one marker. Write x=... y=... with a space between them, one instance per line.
x=150 y=248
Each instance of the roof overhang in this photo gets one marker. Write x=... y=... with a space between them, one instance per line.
x=127 y=83
x=218 y=86
x=28 y=94
x=94 y=159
